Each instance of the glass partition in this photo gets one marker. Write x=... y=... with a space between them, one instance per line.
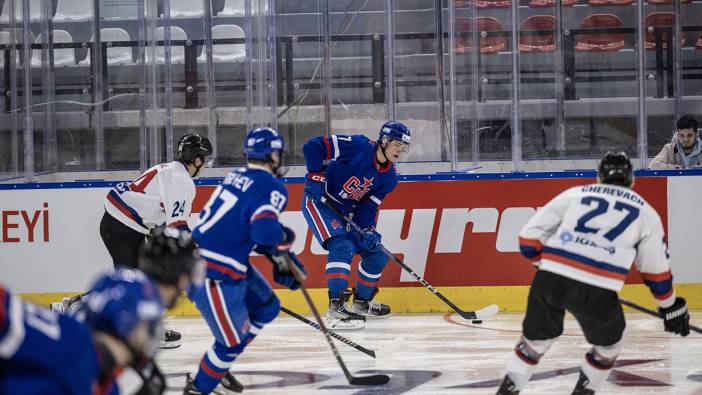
x=484 y=85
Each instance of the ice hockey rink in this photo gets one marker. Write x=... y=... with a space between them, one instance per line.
x=440 y=354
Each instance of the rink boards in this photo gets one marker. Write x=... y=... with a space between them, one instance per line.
x=459 y=234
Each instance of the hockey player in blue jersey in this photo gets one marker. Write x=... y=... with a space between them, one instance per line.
x=359 y=174
x=43 y=352
x=240 y=216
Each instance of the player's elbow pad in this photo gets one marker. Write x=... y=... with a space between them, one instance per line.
x=266 y=231
x=530 y=252
x=315 y=153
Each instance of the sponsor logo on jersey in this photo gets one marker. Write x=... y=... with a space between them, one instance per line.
x=336 y=224
x=354 y=190
x=567 y=237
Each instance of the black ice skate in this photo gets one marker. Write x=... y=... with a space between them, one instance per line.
x=580 y=387
x=340 y=317
x=169 y=339
x=231 y=384
x=189 y=387
x=507 y=387
x=368 y=307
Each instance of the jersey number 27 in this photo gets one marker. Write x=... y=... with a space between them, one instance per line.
x=601 y=207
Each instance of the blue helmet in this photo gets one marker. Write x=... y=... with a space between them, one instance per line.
x=119 y=302
x=260 y=143
x=393 y=130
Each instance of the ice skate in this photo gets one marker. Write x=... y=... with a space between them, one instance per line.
x=340 y=317
x=369 y=308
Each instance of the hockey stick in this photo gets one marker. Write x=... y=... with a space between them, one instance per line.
x=336 y=336
x=652 y=312
x=376 y=379
x=470 y=315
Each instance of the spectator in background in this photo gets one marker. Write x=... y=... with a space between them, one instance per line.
x=683 y=152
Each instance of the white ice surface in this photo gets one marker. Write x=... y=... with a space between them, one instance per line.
x=440 y=357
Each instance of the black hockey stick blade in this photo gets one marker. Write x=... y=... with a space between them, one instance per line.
x=652 y=312
x=376 y=379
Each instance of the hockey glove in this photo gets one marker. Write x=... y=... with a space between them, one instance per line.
x=314 y=185
x=369 y=240
x=282 y=271
x=676 y=318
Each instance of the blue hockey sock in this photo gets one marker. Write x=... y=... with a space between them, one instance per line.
x=369 y=272
x=215 y=364
x=338 y=269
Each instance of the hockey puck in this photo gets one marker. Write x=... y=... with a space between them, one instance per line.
x=477 y=321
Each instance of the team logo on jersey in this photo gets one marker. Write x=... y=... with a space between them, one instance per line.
x=354 y=190
x=336 y=224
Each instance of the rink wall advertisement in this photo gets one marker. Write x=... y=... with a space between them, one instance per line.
x=453 y=233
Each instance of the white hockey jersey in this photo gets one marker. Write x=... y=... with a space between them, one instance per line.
x=162 y=195
x=593 y=233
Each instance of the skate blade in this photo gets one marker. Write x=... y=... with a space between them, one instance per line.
x=341 y=325
x=168 y=345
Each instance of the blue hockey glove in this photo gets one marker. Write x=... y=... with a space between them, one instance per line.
x=369 y=240
x=314 y=185
x=282 y=273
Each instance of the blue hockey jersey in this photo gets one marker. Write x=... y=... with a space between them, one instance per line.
x=240 y=214
x=355 y=179
x=42 y=352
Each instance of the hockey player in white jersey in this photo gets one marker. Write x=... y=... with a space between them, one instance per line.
x=583 y=243
x=161 y=196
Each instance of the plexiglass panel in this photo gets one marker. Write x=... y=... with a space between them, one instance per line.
x=487 y=85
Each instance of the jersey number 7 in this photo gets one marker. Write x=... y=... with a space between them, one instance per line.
x=601 y=207
x=216 y=207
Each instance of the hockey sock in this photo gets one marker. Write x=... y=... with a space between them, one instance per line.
x=369 y=272
x=338 y=268
x=598 y=364
x=215 y=364
x=522 y=362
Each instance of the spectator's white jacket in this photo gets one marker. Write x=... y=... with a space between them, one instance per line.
x=593 y=233
x=163 y=194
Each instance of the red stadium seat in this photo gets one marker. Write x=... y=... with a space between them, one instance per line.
x=599 y=42
x=540 y=43
x=663 y=19
x=551 y=3
x=488 y=45
x=595 y=3
x=484 y=3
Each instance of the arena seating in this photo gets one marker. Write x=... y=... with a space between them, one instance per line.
x=488 y=44
x=601 y=42
x=73 y=10
x=62 y=57
x=115 y=55
x=538 y=43
x=226 y=52
x=659 y=19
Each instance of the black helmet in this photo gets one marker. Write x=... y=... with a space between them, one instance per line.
x=168 y=254
x=192 y=145
x=615 y=168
